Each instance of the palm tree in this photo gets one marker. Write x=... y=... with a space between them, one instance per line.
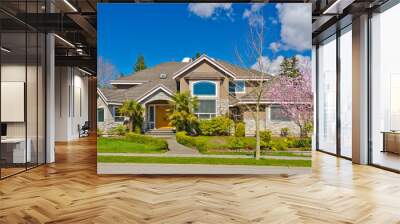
x=181 y=114
x=134 y=111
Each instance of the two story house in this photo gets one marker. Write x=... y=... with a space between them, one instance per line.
x=222 y=89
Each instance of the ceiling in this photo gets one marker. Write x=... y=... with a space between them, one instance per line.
x=75 y=22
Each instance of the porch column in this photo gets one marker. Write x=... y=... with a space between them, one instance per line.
x=144 y=125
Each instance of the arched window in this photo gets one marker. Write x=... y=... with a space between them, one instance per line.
x=204 y=88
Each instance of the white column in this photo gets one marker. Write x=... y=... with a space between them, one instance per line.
x=360 y=90
x=50 y=101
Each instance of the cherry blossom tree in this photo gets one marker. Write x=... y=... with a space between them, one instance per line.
x=296 y=98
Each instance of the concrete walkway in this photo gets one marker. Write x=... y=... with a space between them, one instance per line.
x=198 y=155
x=196 y=169
x=177 y=149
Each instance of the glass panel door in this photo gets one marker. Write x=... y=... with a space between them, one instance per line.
x=327 y=95
x=385 y=89
x=14 y=153
x=346 y=92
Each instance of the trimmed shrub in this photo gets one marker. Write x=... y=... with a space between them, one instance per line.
x=308 y=128
x=300 y=143
x=236 y=144
x=284 y=132
x=160 y=143
x=278 y=144
x=138 y=130
x=240 y=129
x=100 y=132
x=190 y=141
x=220 y=125
x=266 y=136
x=184 y=139
x=119 y=130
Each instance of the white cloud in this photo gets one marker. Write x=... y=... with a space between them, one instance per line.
x=295 y=25
x=253 y=14
x=303 y=62
x=265 y=64
x=273 y=67
x=275 y=46
x=208 y=10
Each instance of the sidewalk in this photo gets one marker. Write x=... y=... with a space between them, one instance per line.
x=177 y=149
x=197 y=169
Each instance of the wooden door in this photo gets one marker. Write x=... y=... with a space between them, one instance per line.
x=162 y=116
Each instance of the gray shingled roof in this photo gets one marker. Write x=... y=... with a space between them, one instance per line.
x=151 y=77
x=241 y=72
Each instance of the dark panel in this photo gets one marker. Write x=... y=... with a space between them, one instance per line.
x=79 y=61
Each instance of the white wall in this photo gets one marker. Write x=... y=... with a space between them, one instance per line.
x=71 y=102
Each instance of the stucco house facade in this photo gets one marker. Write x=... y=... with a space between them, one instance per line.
x=222 y=89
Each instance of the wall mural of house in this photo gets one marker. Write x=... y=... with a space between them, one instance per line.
x=222 y=89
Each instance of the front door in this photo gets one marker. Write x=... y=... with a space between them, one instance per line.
x=162 y=116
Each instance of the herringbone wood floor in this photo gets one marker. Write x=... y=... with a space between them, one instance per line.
x=69 y=191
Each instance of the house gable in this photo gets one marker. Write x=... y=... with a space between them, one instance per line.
x=204 y=65
x=159 y=92
x=204 y=70
x=101 y=96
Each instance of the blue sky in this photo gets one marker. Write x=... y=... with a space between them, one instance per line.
x=170 y=32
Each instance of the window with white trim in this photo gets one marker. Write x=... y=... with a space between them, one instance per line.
x=277 y=114
x=204 y=88
x=100 y=114
x=151 y=116
x=207 y=109
x=118 y=117
x=238 y=86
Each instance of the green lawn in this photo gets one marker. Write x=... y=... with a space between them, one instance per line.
x=123 y=145
x=211 y=161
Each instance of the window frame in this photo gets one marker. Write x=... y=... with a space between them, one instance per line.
x=277 y=120
x=192 y=84
x=98 y=109
x=117 y=118
x=210 y=115
x=151 y=124
x=235 y=85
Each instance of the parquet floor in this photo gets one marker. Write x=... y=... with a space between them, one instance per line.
x=69 y=191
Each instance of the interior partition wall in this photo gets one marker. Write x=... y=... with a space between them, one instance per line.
x=22 y=89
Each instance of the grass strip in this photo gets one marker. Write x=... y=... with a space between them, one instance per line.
x=211 y=161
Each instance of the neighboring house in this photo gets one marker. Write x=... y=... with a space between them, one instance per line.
x=222 y=88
